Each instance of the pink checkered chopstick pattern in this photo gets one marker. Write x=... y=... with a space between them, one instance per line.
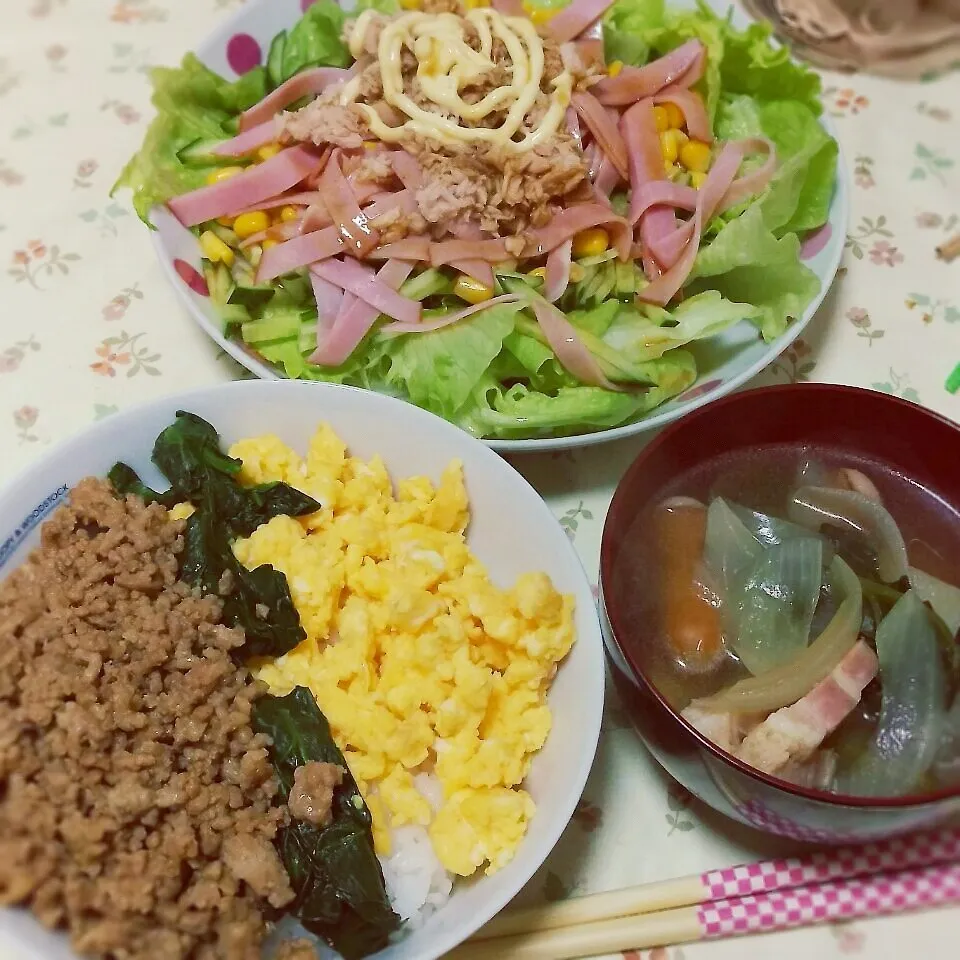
x=835 y=900
x=903 y=853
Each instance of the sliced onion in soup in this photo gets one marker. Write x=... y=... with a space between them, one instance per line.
x=729 y=547
x=767 y=621
x=771 y=531
x=907 y=738
x=943 y=597
x=816 y=507
x=786 y=684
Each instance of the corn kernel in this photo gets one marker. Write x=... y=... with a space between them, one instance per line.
x=589 y=243
x=695 y=156
x=268 y=150
x=254 y=253
x=411 y=4
x=267 y=244
x=471 y=290
x=214 y=249
x=697 y=180
x=614 y=68
x=475 y=4
x=247 y=224
x=540 y=272
x=288 y=214
x=539 y=15
x=661 y=118
x=675 y=115
x=669 y=147
x=223 y=173
x=369 y=144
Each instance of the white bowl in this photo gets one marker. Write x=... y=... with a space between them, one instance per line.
x=512 y=531
x=724 y=363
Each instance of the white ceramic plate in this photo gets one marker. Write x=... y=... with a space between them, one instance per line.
x=512 y=531
x=724 y=362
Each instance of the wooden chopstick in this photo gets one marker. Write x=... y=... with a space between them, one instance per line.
x=873 y=895
x=919 y=850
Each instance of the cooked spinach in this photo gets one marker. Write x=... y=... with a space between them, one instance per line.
x=334 y=870
x=188 y=454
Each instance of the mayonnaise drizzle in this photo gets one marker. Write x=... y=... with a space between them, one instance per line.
x=446 y=63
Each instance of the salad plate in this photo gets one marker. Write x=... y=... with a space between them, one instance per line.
x=763 y=267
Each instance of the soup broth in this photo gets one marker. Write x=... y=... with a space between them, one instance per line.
x=765 y=480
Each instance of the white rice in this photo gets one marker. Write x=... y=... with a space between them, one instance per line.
x=417 y=883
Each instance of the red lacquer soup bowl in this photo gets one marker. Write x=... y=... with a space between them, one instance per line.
x=911 y=454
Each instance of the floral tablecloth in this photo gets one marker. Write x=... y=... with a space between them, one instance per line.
x=88 y=325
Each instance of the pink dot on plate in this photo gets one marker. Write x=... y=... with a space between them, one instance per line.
x=243 y=53
x=815 y=242
x=191 y=277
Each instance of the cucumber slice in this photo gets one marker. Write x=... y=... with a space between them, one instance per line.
x=275 y=59
x=219 y=282
x=429 y=283
x=233 y=315
x=199 y=153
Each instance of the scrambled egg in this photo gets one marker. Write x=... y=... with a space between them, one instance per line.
x=419 y=662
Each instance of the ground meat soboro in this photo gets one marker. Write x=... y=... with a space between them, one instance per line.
x=137 y=806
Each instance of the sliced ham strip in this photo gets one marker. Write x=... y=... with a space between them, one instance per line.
x=590 y=51
x=428 y=326
x=302 y=199
x=754 y=182
x=683 y=66
x=308 y=83
x=607 y=177
x=329 y=298
x=364 y=284
x=668 y=247
x=791 y=735
x=449 y=251
x=276 y=231
x=573 y=126
x=571 y=221
x=691 y=106
x=558 y=271
x=407 y=168
x=604 y=130
x=480 y=270
x=639 y=128
x=410 y=248
x=359 y=237
x=299 y=252
x=247 y=142
x=509 y=8
x=567 y=345
x=710 y=195
x=260 y=182
x=356 y=318
x=577 y=18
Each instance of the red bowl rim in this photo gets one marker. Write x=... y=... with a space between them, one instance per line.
x=648 y=453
